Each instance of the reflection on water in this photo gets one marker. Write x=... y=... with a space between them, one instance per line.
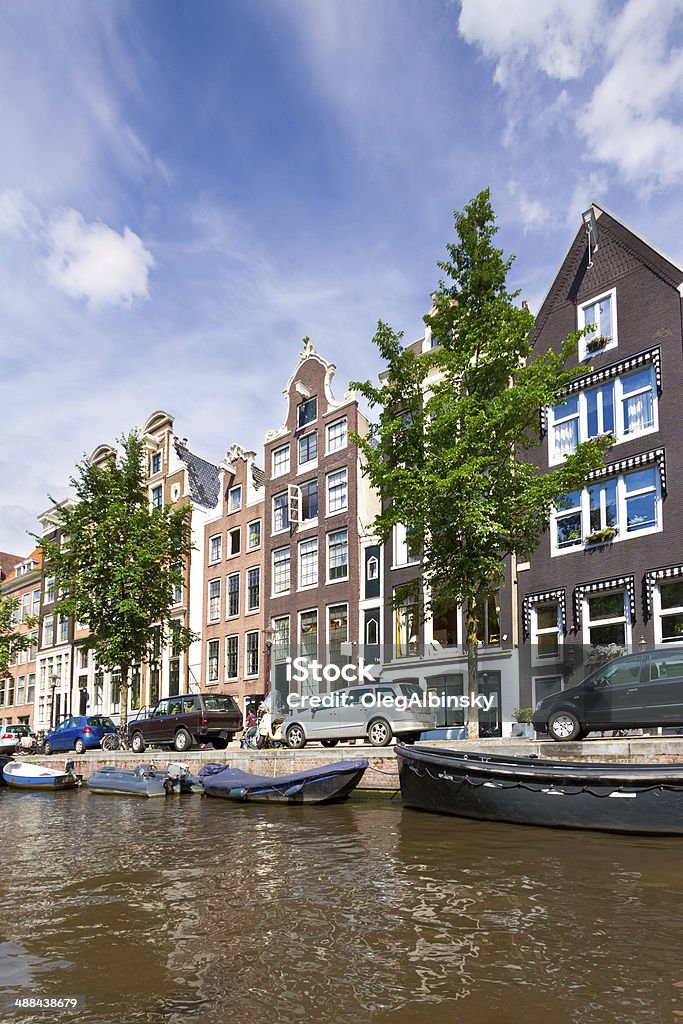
x=197 y=910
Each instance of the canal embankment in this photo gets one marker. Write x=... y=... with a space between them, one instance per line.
x=381 y=778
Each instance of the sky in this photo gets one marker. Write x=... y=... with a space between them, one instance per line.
x=188 y=189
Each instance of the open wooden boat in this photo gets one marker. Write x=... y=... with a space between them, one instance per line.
x=144 y=780
x=315 y=786
x=646 y=798
x=22 y=775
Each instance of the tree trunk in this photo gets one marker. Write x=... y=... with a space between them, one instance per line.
x=125 y=673
x=472 y=625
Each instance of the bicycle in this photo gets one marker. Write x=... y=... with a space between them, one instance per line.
x=117 y=740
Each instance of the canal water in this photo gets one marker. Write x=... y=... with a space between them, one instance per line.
x=188 y=909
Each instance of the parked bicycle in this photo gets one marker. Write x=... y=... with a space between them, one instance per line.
x=117 y=740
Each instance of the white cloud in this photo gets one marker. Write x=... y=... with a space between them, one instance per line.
x=558 y=35
x=533 y=214
x=94 y=262
x=18 y=216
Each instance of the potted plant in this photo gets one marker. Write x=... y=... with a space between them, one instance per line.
x=523 y=728
x=603 y=536
x=596 y=344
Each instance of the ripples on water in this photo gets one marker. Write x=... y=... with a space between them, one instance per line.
x=181 y=910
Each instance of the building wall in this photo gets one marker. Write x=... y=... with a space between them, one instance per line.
x=17 y=697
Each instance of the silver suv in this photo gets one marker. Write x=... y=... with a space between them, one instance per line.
x=376 y=713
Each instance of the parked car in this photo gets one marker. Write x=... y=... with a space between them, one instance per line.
x=190 y=718
x=636 y=691
x=10 y=736
x=79 y=733
x=361 y=712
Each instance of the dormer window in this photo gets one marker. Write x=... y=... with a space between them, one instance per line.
x=307 y=412
x=601 y=315
x=235 y=498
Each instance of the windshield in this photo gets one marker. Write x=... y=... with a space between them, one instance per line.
x=218 y=703
x=100 y=720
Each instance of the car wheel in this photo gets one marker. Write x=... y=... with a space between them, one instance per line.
x=564 y=726
x=183 y=740
x=219 y=744
x=79 y=746
x=379 y=733
x=47 y=748
x=296 y=737
x=329 y=743
x=137 y=743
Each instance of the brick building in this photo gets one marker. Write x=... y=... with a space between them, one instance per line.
x=21 y=582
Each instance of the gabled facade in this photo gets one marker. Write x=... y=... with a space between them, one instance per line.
x=54 y=698
x=610 y=569
x=318 y=508
x=22 y=582
x=233 y=596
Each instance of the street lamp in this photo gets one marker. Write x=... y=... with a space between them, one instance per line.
x=54 y=683
x=269 y=634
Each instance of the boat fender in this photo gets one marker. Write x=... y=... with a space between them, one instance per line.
x=293 y=790
x=70 y=767
x=238 y=794
x=168 y=786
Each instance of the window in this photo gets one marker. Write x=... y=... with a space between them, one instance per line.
x=253 y=589
x=337 y=631
x=281 y=571
x=177 y=596
x=21 y=683
x=309 y=500
x=606 y=619
x=601 y=314
x=306 y=412
x=215 y=548
x=48 y=630
x=235 y=498
x=213 y=651
x=254 y=535
x=338 y=555
x=336 y=435
x=157 y=498
x=234 y=542
x=613 y=509
x=625 y=407
x=24 y=606
x=308 y=633
x=670 y=612
x=406 y=623
x=35 y=604
x=371 y=632
x=31 y=688
x=280 y=513
x=232 y=649
x=252 y=654
x=545 y=629
x=405 y=551
x=233 y=595
x=214 y=600
x=63 y=629
x=155 y=463
x=33 y=649
x=308 y=448
x=544 y=686
x=49 y=590
x=281 y=639
x=488 y=615
x=445 y=627
x=372 y=568
x=281 y=461
x=337 y=486
x=308 y=563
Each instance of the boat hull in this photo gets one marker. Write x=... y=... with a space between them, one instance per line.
x=22 y=776
x=144 y=780
x=3 y=761
x=637 y=798
x=328 y=784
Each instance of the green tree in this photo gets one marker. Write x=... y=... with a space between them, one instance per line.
x=11 y=640
x=449 y=449
x=119 y=561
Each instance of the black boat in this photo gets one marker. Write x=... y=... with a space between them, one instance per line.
x=322 y=785
x=645 y=798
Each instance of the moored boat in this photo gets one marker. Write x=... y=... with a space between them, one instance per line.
x=329 y=783
x=22 y=775
x=3 y=761
x=144 y=780
x=645 y=798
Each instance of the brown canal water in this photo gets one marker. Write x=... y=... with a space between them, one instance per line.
x=190 y=909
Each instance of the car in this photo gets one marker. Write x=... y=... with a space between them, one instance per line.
x=184 y=720
x=10 y=736
x=79 y=733
x=371 y=712
x=635 y=691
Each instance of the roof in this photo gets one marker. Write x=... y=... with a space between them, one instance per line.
x=259 y=476
x=202 y=475
x=7 y=563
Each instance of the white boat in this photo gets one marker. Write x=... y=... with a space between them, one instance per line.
x=23 y=775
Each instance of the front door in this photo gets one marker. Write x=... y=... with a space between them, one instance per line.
x=490 y=723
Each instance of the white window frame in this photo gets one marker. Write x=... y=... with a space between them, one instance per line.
x=235 y=499
x=281 y=642
x=329 y=511
x=228 y=613
x=535 y=632
x=540 y=679
x=213 y=558
x=308 y=611
x=328 y=610
x=236 y=530
x=312 y=544
x=328 y=546
x=372 y=568
x=587 y=622
x=308 y=464
x=209 y=658
x=284 y=590
x=251 y=633
x=610 y=294
x=401 y=552
x=213 y=600
x=250 y=546
x=285 y=516
x=236 y=638
x=152 y=496
x=49 y=591
x=153 y=457
x=306 y=401
x=285 y=462
x=328 y=430
x=251 y=609
x=658 y=612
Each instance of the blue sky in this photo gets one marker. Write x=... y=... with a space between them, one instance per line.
x=187 y=189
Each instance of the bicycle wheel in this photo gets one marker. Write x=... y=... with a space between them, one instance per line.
x=110 y=742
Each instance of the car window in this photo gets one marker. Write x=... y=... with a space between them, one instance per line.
x=161 y=708
x=384 y=691
x=666 y=665
x=65 y=725
x=175 y=706
x=354 y=696
x=220 y=703
x=619 y=672
x=101 y=721
x=410 y=690
x=188 y=705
